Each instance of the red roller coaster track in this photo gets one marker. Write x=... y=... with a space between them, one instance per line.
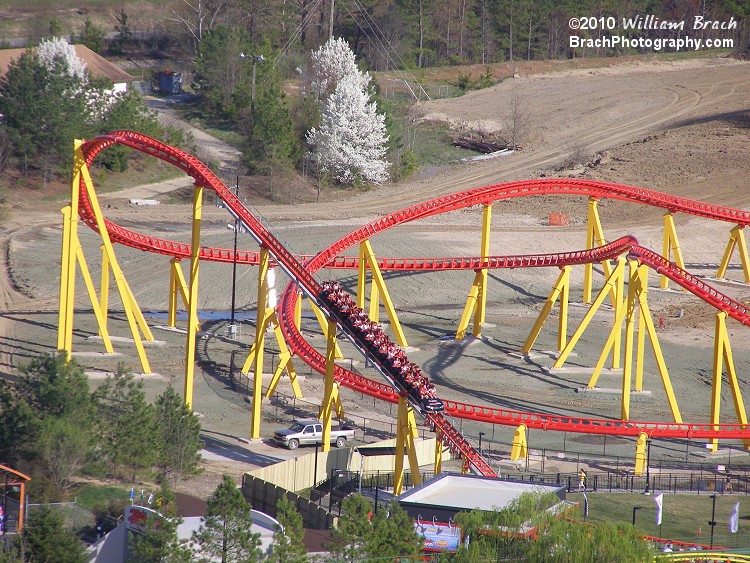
x=302 y=270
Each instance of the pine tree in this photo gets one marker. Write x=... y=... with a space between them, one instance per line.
x=127 y=427
x=44 y=538
x=177 y=441
x=393 y=534
x=159 y=542
x=225 y=532
x=288 y=546
x=349 y=540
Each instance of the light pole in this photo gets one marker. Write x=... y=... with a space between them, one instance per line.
x=232 y=328
x=648 y=467
x=255 y=59
x=480 y=442
x=635 y=509
x=712 y=522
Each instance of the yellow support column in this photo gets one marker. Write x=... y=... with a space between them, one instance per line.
x=609 y=286
x=331 y=392
x=406 y=433
x=379 y=291
x=671 y=247
x=737 y=238
x=257 y=351
x=323 y=322
x=173 y=290
x=640 y=454
x=476 y=302
x=438 y=451
x=192 y=322
x=520 y=448
x=67 y=279
x=560 y=290
x=104 y=286
x=594 y=237
x=722 y=355
x=285 y=362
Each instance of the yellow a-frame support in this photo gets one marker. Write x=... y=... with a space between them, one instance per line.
x=614 y=285
x=670 y=247
x=736 y=239
x=637 y=292
x=594 y=237
x=476 y=302
x=438 y=451
x=406 y=433
x=331 y=398
x=560 y=290
x=266 y=315
x=723 y=354
x=378 y=291
x=72 y=254
x=177 y=287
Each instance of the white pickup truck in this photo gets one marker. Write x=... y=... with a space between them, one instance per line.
x=303 y=432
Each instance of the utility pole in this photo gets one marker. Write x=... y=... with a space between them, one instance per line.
x=330 y=23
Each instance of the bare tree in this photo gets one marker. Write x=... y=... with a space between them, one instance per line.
x=518 y=118
x=198 y=16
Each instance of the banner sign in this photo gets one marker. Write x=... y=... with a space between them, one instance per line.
x=439 y=536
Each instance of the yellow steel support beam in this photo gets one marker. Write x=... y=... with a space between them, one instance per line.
x=609 y=286
x=192 y=321
x=100 y=317
x=594 y=237
x=178 y=286
x=560 y=290
x=285 y=361
x=258 y=348
x=637 y=291
x=331 y=393
x=406 y=433
x=298 y=311
x=671 y=247
x=104 y=287
x=132 y=311
x=67 y=284
x=723 y=355
x=323 y=322
x=438 y=451
x=736 y=239
x=650 y=329
x=379 y=291
x=476 y=302
x=640 y=454
x=520 y=447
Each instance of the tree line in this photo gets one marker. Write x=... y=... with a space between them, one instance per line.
x=55 y=428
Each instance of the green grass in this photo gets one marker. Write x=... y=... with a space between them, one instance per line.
x=223 y=130
x=682 y=515
x=91 y=495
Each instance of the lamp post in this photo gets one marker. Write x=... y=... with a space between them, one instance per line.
x=232 y=328
x=648 y=465
x=712 y=522
x=635 y=509
x=255 y=59
x=480 y=442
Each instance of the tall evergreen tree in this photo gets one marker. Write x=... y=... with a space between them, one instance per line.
x=45 y=539
x=225 y=533
x=349 y=540
x=177 y=440
x=126 y=425
x=288 y=546
x=159 y=542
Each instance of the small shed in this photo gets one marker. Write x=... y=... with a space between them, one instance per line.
x=170 y=82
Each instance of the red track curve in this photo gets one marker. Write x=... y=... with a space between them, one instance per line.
x=304 y=274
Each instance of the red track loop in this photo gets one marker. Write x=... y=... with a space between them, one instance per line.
x=331 y=258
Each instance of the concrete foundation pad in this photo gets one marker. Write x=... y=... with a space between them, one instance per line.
x=611 y=391
x=95 y=354
x=581 y=369
x=128 y=340
x=101 y=374
x=171 y=329
x=551 y=354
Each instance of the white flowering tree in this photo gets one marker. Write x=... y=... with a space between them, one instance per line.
x=350 y=142
x=330 y=63
x=56 y=49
